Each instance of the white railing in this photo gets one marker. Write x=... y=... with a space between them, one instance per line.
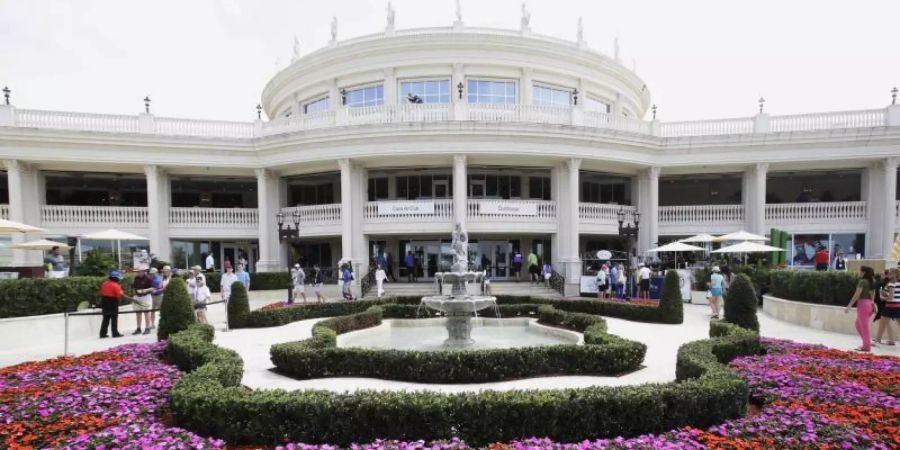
x=706 y=127
x=603 y=212
x=541 y=210
x=328 y=214
x=204 y=128
x=99 y=216
x=76 y=121
x=301 y=122
x=701 y=214
x=596 y=119
x=409 y=210
x=404 y=112
x=828 y=121
x=781 y=213
x=504 y=112
x=206 y=217
x=4 y=212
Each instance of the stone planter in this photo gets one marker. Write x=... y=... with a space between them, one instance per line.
x=820 y=317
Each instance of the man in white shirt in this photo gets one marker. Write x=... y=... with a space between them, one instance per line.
x=645 y=281
x=210 y=263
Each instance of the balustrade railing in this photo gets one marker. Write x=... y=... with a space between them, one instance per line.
x=596 y=119
x=408 y=210
x=780 y=213
x=328 y=214
x=701 y=214
x=99 y=216
x=64 y=120
x=204 y=128
x=540 y=210
x=603 y=212
x=706 y=127
x=829 y=120
x=204 y=217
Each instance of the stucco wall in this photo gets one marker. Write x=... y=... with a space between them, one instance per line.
x=820 y=317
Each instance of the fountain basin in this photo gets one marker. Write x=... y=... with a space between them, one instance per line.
x=459 y=311
x=488 y=333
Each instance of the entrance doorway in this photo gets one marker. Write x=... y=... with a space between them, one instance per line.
x=236 y=252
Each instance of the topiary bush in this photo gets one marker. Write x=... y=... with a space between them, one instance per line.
x=238 y=306
x=671 y=307
x=740 y=303
x=176 y=313
x=832 y=287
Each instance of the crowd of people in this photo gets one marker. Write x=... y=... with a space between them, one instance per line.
x=877 y=298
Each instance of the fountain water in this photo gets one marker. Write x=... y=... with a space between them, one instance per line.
x=459 y=306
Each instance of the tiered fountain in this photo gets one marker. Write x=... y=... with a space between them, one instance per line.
x=459 y=306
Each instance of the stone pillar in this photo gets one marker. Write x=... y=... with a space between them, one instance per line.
x=346 y=209
x=570 y=257
x=460 y=105
x=268 y=205
x=390 y=87
x=881 y=208
x=754 y=198
x=460 y=194
x=158 y=201
x=527 y=86
x=648 y=207
x=25 y=195
x=889 y=207
x=559 y=191
x=359 y=187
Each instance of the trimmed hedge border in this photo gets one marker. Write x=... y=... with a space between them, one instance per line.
x=319 y=356
x=208 y=399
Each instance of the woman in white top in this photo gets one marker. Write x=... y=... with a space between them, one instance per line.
x=228 y=278
x=200 y=298
x=380 y=276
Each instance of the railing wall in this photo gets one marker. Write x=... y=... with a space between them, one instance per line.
x=100 y=216
x=523 y=210
x=786 y=213
x=205 y=217
x=328 y=214
x=701 y=214
x=603 y=212
x=438 y=210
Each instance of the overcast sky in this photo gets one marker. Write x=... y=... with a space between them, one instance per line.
x=211 y=59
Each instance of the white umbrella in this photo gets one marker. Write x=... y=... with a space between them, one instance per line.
x=115 y=235
x=700 y=238
x=676 y=247
x=8 y=226
x=741 y=236
x=40 y=244
x=749 y=247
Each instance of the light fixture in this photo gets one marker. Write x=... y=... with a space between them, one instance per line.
x=459 y=87
x=6 y=92
x=259 y=111
x=147 y=104
x=761 y=102
x=343 y=97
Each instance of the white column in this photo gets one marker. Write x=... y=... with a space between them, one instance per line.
x=559 y=191
x=648 y=206
x=754 y=198
x=889 y=207
x=881 y=208
x=571 y=259
x=359 y=187
x=390 y=87
x=460 y=194
x=24 y=206
x=346 y=209
x=527 y=86
x=158 y=200
x=268 y=204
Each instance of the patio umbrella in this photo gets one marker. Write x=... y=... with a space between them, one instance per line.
x=748 y=247
x=740 y=236
x=8 y=226
x=40 y=244
x=700 y=238
x=676 y=247
x=117 y=236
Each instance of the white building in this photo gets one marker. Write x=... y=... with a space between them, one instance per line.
x=383 y=141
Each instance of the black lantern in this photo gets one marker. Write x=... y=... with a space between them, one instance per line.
x=893 y=95
x=286 y=232
x=630 y=233
x=147 y=104
x=575 y=97
x=459 y=88
x=258 y=111
x=654 y=111
x=6 y=92
x=762 y=103
x=343 y=97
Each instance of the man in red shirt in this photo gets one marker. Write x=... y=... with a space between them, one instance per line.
x=110 y=295
x=821 y=259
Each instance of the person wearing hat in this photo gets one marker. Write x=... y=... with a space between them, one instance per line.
x=196 y=272
x=716 y=286
x=143 y=299
x=318 y=282
x=228 y=278
x=160 y=283
x=299 y=279
x=200 y=297
x=111 y=294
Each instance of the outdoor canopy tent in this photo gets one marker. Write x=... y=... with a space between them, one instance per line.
x=117 y=236
x=40 y=244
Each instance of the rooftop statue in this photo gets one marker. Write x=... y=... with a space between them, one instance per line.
x=333 y=28
x=580 y=32
x=458 y=11
x=390 y=16
x=526 y=16
x=296 y=53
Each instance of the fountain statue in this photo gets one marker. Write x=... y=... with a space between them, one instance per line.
x=459 y=306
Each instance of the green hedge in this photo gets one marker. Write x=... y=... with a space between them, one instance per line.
x=176 y=313
x=37 y=296
x=740 y=304
x=830 y=287
x=238 y=306
x=318 y=357
x=671 y=306
x=210 y=401
x=259 y=281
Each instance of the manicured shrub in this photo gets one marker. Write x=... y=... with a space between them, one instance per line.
x=176 y=313
x=96 y=264
x=740 y=303
x=832 y=287
x=281 y=316
x=37 y=296
x=238 y=306
x=267 y=281
x=671 y=308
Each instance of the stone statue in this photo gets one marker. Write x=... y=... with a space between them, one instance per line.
x=390 y=16
x=526 y=16
x=296 y=54
x=458 y=11
x=333 y=28
x=580 y=32
x=616 y=48
x=460 y=247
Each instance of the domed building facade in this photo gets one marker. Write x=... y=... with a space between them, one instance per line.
x=377 y=145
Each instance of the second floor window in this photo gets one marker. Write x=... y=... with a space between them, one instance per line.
x=367 y=96
x=315 y=106
x=548 y=96
x=426 y=91
x=592 y=104
x=492 y=91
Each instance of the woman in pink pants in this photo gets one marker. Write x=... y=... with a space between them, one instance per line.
x=865 y=306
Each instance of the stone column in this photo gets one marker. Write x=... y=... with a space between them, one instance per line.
x=648 y=207
x=25 y=193
x=460 y=194
x=346 y=209
x=889 y=207
x=881 y=208
x=359 y=186
x=390 y=87
x=559 y=193
x=158 y=201
x=527 y=86
x=570 y=258
x=754 y=198
x=268 y=205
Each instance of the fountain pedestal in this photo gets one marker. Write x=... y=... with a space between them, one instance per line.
x=459 y=330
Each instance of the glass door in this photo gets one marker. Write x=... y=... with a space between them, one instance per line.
x=497 y=255
x=476 y=188
x=441 y=188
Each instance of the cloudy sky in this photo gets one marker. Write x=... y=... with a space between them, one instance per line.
x=211 y=59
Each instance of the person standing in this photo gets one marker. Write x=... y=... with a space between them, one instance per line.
x=840 y=263
x=865 y=306
x=602 y=285
x=228 y=278
x=143 y=300
x=821 y=258
x=56 y=263
x=716 y=288
x=346 y=278
x=160 y=283
x=318 y=282
x=410 y=262
x=299 y=281
x=390 y=266
x=644 y=274
x=620 y=282
x=242 y=260
x=889 y=308
x=243 y=276
x=210 y=263
x=547 y=273
x=517 y=264
x=111 y=294
x=200 y=298
x=196 y=272
x=613 y=279
x=380 y=276
x=534 y=269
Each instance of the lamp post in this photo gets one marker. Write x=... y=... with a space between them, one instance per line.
x=459 y=87
x=575 y=97
x=6 y=92
x=893 y=96
x=343 y=97
x=288 y=233
x=630 y=233
x=258 y=111
x=147 y=104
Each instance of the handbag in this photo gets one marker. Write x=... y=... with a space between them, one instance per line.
x=708 y=294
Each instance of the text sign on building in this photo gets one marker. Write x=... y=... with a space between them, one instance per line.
x=405 y=208
x=508 y=208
